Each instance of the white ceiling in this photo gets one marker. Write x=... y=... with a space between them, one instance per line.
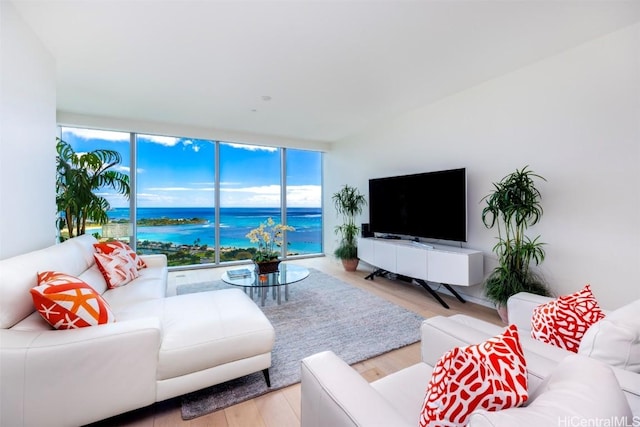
x=331 y=68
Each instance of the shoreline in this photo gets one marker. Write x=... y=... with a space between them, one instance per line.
x=178 y=254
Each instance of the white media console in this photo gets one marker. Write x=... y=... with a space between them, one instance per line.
x=448 y=265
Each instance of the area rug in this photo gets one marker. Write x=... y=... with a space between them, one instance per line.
x=323 y=313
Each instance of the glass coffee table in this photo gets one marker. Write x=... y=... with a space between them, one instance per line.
x=259 y=284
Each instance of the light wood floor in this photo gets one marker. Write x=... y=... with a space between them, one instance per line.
x=281 y=408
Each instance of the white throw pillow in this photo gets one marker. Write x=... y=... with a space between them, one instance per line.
x=615 y=340
x=578 y=391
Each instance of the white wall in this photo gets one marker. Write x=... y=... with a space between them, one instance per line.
x=27 y=132
x=574 y=118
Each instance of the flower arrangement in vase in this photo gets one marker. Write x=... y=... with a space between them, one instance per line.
x=269 y=236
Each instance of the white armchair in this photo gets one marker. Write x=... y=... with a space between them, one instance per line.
x=560 y=384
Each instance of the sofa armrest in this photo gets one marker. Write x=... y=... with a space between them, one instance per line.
x=155 y=260
x=520 y=308
x=334 y=394
x=629 y=383
x=76 y=376
x=440 y=334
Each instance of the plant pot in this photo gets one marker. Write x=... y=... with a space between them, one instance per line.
x=350 y=264
x=267 y=267
x=503 y=313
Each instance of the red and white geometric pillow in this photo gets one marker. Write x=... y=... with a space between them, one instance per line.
x=67 y=302
x=564 y=321
x=118 y=246
x=491 y=376
x=118 y=268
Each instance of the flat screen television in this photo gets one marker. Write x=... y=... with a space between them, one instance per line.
x=431 y=205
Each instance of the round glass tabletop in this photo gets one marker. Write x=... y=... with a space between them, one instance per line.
x=249 y=279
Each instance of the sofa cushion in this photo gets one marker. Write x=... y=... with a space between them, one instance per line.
x=144 y=288
x=118 y=246
x=579 y=391
x=615 y=339
x=207 y=329
x=563 y=322
x=94 y=278
x=117 y=267
x=66 y=302
x=491 y=375
x=18 y=274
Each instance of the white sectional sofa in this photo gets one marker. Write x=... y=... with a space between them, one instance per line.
x=563 y=387
x=158 y=347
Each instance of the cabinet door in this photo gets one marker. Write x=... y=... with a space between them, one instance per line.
x=449 y=267
x=365 y=250
x=384 y=255
x=412 y=262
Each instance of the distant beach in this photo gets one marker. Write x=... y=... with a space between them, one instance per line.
x=187 y=234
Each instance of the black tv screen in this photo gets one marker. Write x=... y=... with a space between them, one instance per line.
x=430 y=205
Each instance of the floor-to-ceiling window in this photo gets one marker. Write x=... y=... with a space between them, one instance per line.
x=175 y=198
x=304 y=200
x=85 y=141
x=249 y=195
x=195 y=200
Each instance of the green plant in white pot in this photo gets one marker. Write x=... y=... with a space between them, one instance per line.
x=512 y=207
x=348 y=203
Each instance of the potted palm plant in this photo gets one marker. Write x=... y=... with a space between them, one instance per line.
x=78 y=177
x=512 y=207
x=348 y=203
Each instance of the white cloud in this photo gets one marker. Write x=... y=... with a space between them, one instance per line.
x=127 y=169
x=181 y=199
x=155 y=200
x=190 y=144
x=98 y=134
x=251 y=147
x=265 y=189
x=180 y=189
x=304 y=195
x=258 y=196
x=269 y=196
x=167 y=141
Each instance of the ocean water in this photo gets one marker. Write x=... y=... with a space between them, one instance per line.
x=235 y=223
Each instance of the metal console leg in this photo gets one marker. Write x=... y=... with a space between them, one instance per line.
x=378 y=272
x=453 y=291
x=432 y=292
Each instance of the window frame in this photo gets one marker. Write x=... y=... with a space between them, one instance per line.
x=133 y=199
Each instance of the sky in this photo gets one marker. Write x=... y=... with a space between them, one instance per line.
x=179 y=172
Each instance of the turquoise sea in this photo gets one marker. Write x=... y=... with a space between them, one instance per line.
x=235 y=223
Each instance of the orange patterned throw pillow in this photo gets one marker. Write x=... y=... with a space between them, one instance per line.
x=490 y=376
x=118 y=246
x=118 y=268
x=67 y=302
x=564 y=321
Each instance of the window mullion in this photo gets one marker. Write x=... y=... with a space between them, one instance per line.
x=216 y=165
x=133 y=193
x=283 y=198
